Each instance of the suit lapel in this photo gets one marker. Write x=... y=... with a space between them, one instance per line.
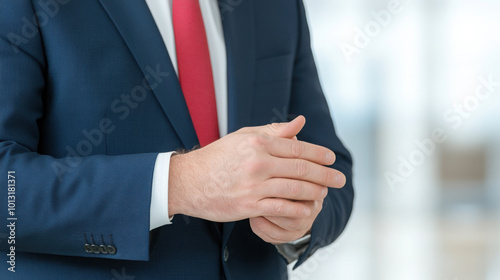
x=137 y=27
x=239 y=35
x=144 y=41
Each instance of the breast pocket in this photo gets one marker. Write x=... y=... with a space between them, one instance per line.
x=273 y=84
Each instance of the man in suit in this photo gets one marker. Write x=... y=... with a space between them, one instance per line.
x=97 y=95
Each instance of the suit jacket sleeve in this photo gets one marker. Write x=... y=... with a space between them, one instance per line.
x=308 y=99
x=61 y=203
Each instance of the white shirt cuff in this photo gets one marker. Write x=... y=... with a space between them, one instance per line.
x=159 y=193
x=291 y=251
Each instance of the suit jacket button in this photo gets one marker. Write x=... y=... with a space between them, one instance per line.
x=94 y=248
x=87 y=248
x=103 y=249
x=111 y=249
x=226 y=254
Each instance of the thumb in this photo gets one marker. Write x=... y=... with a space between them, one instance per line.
x=289 y=129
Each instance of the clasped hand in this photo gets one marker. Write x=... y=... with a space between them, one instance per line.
x=263 y=174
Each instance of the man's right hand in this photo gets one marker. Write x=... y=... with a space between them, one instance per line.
x=255 y=171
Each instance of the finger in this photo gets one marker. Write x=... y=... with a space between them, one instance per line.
x=283 y=130
x=270 y=232
x=278 y=207
x=304 y=170
x=291 y=224
x=292 y=189
x=287 y=148
x=291 y=129
x=298 y=224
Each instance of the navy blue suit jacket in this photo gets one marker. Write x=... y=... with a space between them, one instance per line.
x=89 y=97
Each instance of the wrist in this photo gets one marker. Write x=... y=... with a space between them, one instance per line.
x=175 y=189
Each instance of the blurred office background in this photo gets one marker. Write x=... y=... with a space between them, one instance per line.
x=415 y=99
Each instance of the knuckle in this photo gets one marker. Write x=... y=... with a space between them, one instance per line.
x=279 y=208
x=296 y=149
x=273 y=126
x=293 y=188
x=302 y=168
x=259 y=140
x=254 y=140
x=254 y=165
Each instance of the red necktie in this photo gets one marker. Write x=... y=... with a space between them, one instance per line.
x=195 y=70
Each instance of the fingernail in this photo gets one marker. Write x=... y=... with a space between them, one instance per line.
x=325 y=191
x=329 y=157
x=340 y=178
